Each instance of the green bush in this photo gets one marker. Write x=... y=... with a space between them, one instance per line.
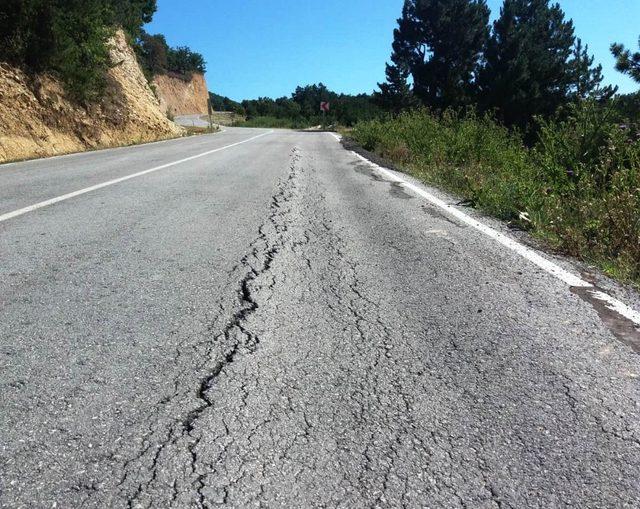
x=157 y=57
x=578 y=188
x=82 y=57
x=68 y=37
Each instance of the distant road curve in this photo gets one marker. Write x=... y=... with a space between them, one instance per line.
x=191 y=120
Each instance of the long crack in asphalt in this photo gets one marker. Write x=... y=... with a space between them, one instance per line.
x=310 y=392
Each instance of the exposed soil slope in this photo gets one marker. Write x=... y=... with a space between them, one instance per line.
x=37 y=119
x=181 y=96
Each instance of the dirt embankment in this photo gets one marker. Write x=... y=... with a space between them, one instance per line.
x=37 y=119
x=180 y=95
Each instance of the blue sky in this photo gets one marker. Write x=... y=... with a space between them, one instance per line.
x=266 y=48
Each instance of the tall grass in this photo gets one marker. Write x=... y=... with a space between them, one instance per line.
x=578 y=188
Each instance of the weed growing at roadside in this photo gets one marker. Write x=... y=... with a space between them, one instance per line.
x=578 y=188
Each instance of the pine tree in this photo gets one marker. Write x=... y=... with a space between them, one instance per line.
x=450 y=37
x=528 y=70
x=395 y=94
x=587 y=79
x=627 y=62
x=439 y=43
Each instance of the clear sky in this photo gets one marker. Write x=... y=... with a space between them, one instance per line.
x=268 y=47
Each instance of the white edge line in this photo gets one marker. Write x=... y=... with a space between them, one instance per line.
x=615 y=305
x=548 y=266
x=52 y=201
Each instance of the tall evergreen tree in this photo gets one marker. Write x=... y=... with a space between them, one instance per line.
x=528 y=69
x=440 y=44
x=451 y=38
x=586 y=79
x=395 y=94
x=627 y=62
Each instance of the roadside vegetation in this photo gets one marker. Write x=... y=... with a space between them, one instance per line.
x=157 y=57
x=224 y=104
x=577 y=188
x=302 y=109
x=69 y=38
x=529 y=135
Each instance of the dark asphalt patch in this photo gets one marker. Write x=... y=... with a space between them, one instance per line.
x=434 y=212
x=397 y=191
x=622 y=328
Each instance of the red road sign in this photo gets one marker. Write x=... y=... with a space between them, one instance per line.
x=325 y=106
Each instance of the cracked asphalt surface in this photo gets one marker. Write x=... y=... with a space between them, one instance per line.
x=274 y=325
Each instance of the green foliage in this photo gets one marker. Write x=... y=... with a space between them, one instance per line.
x=221 y=103
x=628 y=108
x=26 y=33
x=157 y=57
x=396 y=94
x=528 y=65
x=578 y=188
x=131 y=14
x=81 y=57
x=183 y=61
x=586 y=80
x=627 y=62
x=590 y=167
x=303 y=108
x=152 y=51
x=528 y=71
x=68 y=37
x=440 y=43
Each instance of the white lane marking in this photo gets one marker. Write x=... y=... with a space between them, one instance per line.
x=527 y=253
x=336 y=136
x=615 y=305
x=46 y=203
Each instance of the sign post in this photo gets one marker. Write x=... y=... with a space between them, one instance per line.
x=325 y=107
x=210 y=108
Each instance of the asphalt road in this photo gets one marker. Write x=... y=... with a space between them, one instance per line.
x=191 y=120
x=276 y=324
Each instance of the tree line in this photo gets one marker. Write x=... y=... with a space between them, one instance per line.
x=302 y=108
x=526 y=65
x=157 y=57
x=69 y=38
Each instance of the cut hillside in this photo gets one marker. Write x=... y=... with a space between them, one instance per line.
x=182 y=95
x=37 y=118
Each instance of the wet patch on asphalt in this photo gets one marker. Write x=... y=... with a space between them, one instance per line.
x=397 y=191
x=435 y=212
x=622 y=328
x=365 y=169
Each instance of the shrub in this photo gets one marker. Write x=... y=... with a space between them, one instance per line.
x=68 y=37
x=578 y=188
